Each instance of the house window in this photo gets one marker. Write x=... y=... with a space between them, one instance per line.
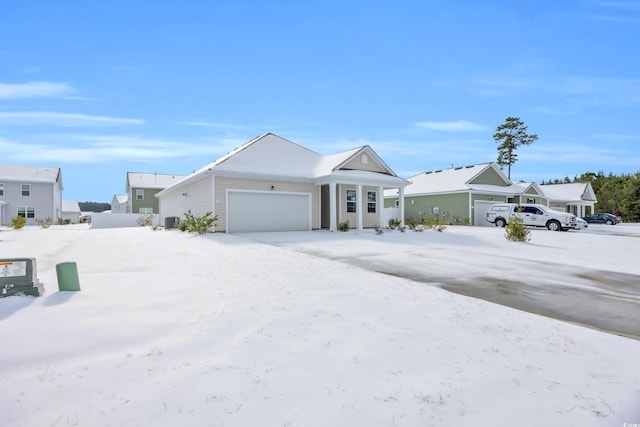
x=139 y=194
x=397 y=203
x=1 y=189
x=145 y=210
x=351 y=201
x=371 y=201
x=26 y=189
x=26 y=212
x=530 y=200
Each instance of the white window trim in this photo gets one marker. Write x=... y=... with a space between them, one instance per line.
x=26 y=211
x=373 y=203
x=28 y=190
x=139 y=194
x=352 y=202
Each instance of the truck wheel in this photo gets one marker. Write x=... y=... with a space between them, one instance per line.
x=554 y=226
x=500 y=222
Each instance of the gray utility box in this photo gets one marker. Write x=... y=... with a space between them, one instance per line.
x=19 y=276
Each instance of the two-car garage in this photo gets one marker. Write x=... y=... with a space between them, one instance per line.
x=250 y=211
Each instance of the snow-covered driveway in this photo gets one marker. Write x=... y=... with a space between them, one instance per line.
x=590 y=277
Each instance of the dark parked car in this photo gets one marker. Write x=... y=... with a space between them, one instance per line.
x=602 y=218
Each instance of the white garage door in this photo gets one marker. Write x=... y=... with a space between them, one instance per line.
x=480 y=209
x=267 y=211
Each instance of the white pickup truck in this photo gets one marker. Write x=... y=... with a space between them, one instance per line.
x=532 y=216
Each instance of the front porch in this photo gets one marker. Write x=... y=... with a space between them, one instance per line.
x=359 y=203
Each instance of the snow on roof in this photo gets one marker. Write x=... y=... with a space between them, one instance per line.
x=121 y=198
x=29 y=173
x=70 y=206
x=579 y=191
x=273 y=156
x=151 y=180
x=448 y=181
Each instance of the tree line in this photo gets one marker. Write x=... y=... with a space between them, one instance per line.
x=616 y=194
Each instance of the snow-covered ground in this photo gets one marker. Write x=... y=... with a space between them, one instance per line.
x=174 y=328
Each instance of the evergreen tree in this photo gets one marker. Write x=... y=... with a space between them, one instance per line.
x=511 y=135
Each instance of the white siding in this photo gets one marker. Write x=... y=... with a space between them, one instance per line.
x=222 y=184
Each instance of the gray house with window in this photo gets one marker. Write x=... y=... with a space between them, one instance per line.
x=32 y=192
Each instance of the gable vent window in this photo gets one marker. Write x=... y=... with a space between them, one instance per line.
x=364 y=159
x=351 y=201
x=26 y=190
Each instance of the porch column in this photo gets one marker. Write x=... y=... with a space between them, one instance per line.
x=379 y=206
x=401 y=199
x=332 y=207
x=359 y=206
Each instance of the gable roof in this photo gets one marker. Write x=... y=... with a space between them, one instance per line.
x=120 y=198
x=271 y=157
x=572 y=192
x=151 y=180
x=70 y=206
x=458 y=179
x=28 y=174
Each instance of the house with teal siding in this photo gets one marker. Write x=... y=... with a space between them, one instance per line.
x=463 y=194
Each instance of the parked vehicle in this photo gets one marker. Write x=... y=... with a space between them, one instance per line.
x=603 y=218
x=581 y=223
x=532 y=215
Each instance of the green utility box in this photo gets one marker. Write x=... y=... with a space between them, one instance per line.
x=19 y=276
x=68 y=276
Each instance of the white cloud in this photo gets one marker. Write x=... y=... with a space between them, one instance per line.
x=109 y=149
x=215 y=125
x=27 y=118
x=34 y=90
x=453 y=126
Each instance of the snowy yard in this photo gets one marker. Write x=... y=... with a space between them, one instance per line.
x=296 y=329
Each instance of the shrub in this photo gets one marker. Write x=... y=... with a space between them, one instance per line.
x=378 y=229
x=433 y=223
x=200 y=225
x=394 y=223
x=45 y=223
x=343 y=226
x=145 y=219
x=516 y=230
x=18 y=222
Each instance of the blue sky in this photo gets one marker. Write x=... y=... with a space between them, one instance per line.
x=102 y=88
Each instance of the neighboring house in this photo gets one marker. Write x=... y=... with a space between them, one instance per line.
x=577 y=198
x=71 y=211
x=31 y=192
x=462 y=194
x=142 y=189
x=271 y=184
x=119 y=203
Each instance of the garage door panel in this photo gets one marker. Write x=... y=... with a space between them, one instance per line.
x=254 y=211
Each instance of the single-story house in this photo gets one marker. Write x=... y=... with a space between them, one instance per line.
x=119 y=203
x=71 y=211
x=462 y=194
x=272 y=184
x=577 y=198
x=32 y=192
x=142 y=189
